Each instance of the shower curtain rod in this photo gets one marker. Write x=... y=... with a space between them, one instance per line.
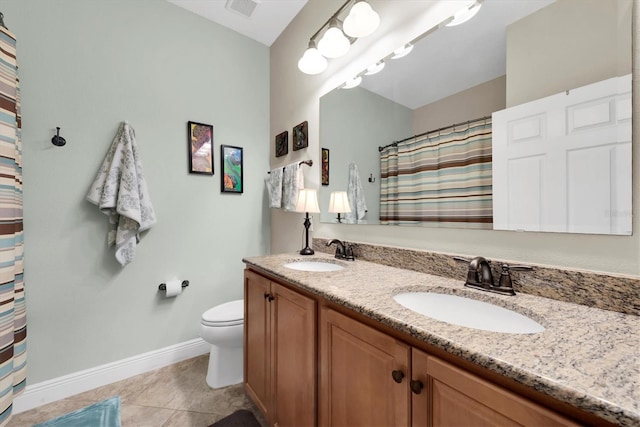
x=395 y=143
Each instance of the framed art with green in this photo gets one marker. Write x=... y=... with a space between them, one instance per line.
x=231 y=166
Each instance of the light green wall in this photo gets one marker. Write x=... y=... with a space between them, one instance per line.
x=353 y=124
x=86 y=65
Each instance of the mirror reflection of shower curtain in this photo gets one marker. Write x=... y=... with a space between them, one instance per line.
x=13 y=348
x=439 y=179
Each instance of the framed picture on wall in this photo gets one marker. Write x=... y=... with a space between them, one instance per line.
x=282 y=143
x=325 y=166
x=200 y=141
x=231 y=165
x=299 y=136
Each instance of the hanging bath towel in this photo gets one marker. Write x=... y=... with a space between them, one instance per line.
x=274 y=188
x=355 y=194
x=292 y=183
x=120 y=192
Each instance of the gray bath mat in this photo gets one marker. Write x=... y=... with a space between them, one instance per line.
x=240 y=418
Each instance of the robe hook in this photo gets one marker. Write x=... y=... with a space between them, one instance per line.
x=371 y=178
x=57 y=140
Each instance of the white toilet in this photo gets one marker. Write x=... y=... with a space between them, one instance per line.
x=222 y=327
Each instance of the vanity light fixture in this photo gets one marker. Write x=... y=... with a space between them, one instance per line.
x=375 y=68
x=402 y=51
x=465 y=14
x=350 y=84
x=312 y=62
x=307 y=203
x=339 y=203
x=361 y=20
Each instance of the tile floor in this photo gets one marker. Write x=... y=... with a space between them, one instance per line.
x=173 y=396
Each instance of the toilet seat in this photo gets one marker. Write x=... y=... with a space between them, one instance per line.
x=227 y=314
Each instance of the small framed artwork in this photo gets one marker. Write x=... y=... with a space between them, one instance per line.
x=282 y=144
x=325 y=166
x=231 y=165
x=200 y=140
x=299 y=136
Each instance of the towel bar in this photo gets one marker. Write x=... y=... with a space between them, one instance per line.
x=163 y=286
x=305 y=162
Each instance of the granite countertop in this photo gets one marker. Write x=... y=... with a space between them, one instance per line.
x=587 y=357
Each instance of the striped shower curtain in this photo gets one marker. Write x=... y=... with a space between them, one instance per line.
x=440 y=179
x=13 y=320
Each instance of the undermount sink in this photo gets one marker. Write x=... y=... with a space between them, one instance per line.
x=468 y=312
x=317 y=266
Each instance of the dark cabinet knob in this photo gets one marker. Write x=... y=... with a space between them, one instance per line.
x=271 y=298
x=397 y=376
x=416 y=386
x=266 y=295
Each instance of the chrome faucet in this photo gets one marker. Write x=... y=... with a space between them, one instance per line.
x=342 y=251
x=479 y=276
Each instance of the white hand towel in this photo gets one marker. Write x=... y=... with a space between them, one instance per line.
x=274 y=188
x=355 y=194
x=120 y=192
x=292 y=183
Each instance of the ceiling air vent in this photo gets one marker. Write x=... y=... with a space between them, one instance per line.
x=243 y=7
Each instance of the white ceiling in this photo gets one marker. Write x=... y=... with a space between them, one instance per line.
x=268 y=19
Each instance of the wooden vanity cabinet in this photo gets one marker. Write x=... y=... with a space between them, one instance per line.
x=280 y=352
x=363 y=374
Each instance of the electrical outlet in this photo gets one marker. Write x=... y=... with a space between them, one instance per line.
x=311 y=221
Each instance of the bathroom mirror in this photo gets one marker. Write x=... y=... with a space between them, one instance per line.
x=510 y=53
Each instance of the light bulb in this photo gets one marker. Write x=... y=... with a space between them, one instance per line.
x=402 y=51
x=375 y=68
x=361 y=21
x=312 y=62
x=465 y=14
x=333 y=43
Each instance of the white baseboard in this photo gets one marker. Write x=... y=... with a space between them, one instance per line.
x=59 y=388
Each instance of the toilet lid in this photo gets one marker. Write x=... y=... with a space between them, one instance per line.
x=227 y=314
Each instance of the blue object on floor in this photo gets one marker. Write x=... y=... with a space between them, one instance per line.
x=101 y=414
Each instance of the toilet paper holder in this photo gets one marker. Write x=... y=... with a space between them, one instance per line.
x=163 y=286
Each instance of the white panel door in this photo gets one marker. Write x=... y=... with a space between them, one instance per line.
x=563 y=163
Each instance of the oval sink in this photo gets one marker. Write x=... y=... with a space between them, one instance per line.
x=319 y=266
x=468 y=312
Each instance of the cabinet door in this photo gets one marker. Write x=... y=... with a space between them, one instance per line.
x=293 y=358
x=459 y=398
x=256 y=340
x=357 y=365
